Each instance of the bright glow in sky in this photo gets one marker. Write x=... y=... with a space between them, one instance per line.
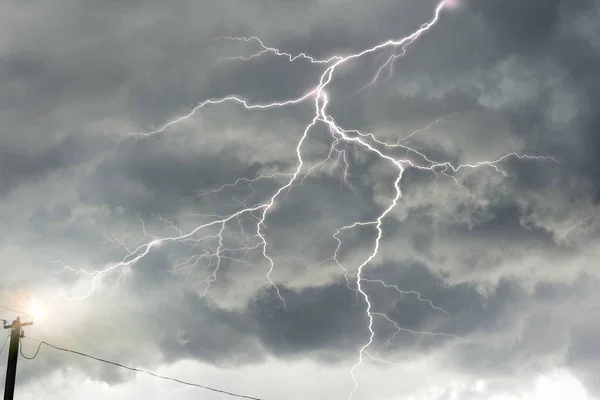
x=36 y=310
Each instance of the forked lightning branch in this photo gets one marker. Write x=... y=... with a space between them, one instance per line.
x=367 y=142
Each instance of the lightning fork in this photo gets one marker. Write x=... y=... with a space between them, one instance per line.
x=367 y=142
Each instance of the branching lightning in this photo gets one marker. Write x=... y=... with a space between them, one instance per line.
x=258 y=213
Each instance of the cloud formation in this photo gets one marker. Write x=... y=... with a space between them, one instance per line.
x=503 y=261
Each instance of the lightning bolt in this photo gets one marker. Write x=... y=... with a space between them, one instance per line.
x=256 y=214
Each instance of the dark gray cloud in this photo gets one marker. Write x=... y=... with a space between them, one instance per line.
x=510 y=259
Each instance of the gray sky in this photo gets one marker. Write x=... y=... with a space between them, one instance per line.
x=236 y=249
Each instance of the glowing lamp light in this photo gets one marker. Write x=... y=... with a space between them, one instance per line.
x=36 y=311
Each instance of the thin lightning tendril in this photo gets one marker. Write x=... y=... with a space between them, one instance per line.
x=257 y=213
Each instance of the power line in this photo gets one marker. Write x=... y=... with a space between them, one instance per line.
x=5 y=341
x=15 y=311
x=32 y=357
x=41 y=342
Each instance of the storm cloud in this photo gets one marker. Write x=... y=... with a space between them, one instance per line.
x=485 y=281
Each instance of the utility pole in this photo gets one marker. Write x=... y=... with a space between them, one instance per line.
x=13 y=355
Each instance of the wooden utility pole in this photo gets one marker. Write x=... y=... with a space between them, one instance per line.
x=13 y=355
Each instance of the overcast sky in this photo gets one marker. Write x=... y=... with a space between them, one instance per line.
x=257 y=250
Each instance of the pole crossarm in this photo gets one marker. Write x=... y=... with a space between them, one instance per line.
x=20 y=324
